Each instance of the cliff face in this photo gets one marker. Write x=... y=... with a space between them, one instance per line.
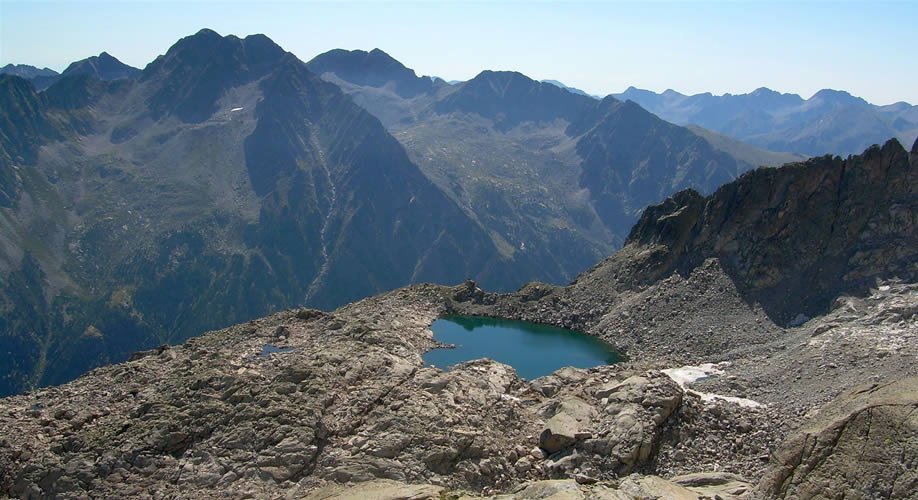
x=791 y=239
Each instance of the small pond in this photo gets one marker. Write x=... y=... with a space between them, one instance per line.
x=532 y=349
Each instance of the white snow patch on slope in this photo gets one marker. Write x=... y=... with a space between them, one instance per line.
x=687 y=375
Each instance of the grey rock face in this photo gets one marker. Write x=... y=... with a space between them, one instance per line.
x=863 y=445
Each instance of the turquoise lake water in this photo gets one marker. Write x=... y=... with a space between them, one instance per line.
x=533 y=349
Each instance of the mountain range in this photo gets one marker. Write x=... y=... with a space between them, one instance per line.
x=829 y=122
x=104 y=67
x=225 y=181
x=41 y=78
x=538 y=166
x=228 y=179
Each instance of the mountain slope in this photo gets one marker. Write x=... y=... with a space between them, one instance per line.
x=831 y=121
x=552 y=175
x=632 y=158
x=573 y=90
x=745 y=152
x=225 y=182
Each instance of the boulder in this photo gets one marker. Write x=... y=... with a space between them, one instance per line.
x=559 y=433
x=379 y=489
x=564 y=489
x=862 y=445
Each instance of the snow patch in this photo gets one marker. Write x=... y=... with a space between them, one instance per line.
x=687 y=375
x=236 y=109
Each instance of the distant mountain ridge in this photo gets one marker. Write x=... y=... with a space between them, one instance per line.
x=550 y=173
x=40 y=78
x=829 y=122
x=26 y=71
x=103 y=67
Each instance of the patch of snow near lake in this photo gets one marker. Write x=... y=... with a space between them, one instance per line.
x=687 y=375
x=236 y=109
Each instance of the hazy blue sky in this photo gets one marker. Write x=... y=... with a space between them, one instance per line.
x=867 y=48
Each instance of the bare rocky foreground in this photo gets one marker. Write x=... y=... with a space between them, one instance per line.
x=352 y=411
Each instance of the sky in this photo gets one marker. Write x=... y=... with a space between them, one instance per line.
x=603 y=47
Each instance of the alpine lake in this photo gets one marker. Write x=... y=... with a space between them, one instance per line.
x=532 y=349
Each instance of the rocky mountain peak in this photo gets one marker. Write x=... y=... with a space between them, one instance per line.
x=197 y=69
x=503 y=79
x=26 y=71
x=382 y=56
x=837 y=97
x=209 y=48
x=341 y=59
x=672 y=220
x=764 y=91
x=103 y=66
x=505 y=83
x=766 y=98
x=510 y=98
x=204 y=39
x=375 y=68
